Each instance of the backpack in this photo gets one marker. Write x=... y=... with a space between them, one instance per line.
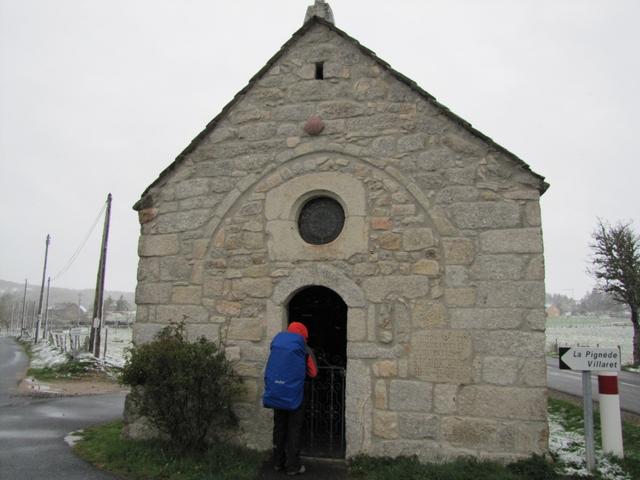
x=285 y=372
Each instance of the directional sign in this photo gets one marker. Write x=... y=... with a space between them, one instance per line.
x=588 y=358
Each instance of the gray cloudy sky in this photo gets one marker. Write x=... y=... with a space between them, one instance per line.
x=99 y=97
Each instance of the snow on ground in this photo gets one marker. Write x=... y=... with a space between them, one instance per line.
x=46 y=355
x=590 y=332
x=568 y=448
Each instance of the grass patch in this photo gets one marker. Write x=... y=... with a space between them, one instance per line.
x=572 y=419
x=137 y=460
x=409 y=468
x=64 y=371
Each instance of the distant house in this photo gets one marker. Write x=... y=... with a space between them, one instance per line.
x=334 y=191
x=553 y=311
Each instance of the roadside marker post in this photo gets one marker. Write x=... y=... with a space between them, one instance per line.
x=589 y=359
x=610 y=422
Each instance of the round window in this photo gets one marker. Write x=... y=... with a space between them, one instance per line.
x=321 y=220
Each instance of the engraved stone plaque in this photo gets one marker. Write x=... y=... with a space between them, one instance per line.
x=441 y=356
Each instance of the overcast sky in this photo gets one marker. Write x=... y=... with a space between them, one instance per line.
x=100 y=96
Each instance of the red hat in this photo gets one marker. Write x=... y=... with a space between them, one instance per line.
x=299 y=328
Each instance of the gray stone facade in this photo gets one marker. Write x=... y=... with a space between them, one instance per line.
x=440 y=261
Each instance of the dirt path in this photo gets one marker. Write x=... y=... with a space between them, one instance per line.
x=90 y=385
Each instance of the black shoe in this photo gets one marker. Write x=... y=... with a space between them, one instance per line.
x=298 y=471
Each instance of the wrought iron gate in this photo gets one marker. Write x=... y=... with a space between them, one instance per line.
x=324 y=429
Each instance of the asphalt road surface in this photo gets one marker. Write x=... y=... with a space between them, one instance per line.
x=569 y=381
x=32 y=430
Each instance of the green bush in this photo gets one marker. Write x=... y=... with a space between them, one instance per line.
x=186 y=389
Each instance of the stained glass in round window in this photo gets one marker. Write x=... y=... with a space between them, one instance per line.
x=321 y=220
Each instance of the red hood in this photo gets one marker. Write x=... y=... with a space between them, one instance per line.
x=299 y=328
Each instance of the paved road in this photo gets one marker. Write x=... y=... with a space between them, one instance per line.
x=32 y=431
x=568 y=381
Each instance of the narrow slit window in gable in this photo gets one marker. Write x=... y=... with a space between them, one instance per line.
x=320 y=71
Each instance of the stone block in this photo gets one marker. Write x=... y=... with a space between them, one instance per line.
x=381 y=223
x=252 y=287
x=501 y=370
x=195 y=331
x=534 y=372
x=456 y=276
x=521 y=240
x=428 y=315
x=458 y=251
x=385 y=369
x=499 y=267
x=486 y=215
x=153 y=293
x=532 y=437
x=535 y=269
x=145 y=332
x=517 y=294
x=192 y=188
x=412 y=396
x=532 y=214
x=213 y=287
x=503 y=402
x=356 y=325
x=175 y=269
x=368 y=350
x=441 y=356
x=430 y=268
x=486 y=318
x=365 y=269
x=250 y=329
x=410 y=286
x=444 y=398
x=456 y=194
x=179 y=313
x=182 y=221
x=390 y=241
x=416 y=426
x=478 y=433
x=509 y=342
x=385 y=424
x=536 y=319
x=187 y=295
x=380 y=395
x=226 y=307
x=460 y=297
x=417 y=239
x=148 y=269
x=158 y=245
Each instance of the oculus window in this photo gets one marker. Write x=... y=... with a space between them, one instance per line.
x=321 y=220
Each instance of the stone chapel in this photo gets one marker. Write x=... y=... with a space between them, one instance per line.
x=334 y=191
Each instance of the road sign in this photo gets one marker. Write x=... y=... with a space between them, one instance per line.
x=588 y=358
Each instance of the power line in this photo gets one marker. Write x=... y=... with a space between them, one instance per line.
x=75 y=255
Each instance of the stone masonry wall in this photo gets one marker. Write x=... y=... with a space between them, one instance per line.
x=442 y=268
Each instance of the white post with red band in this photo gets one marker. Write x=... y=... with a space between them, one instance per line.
x=610 y=422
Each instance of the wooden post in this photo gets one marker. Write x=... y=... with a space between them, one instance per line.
x=94 y=338
x=46 y=310
x=24 y=308
x=44 y=274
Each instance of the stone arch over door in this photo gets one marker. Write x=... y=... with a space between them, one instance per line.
x=358 y=388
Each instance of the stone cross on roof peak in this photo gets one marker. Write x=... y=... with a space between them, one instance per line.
x=320 y=9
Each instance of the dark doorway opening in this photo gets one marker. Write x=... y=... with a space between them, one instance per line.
x=324 y=314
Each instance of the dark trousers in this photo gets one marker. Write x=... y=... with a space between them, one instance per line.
x=287 y=430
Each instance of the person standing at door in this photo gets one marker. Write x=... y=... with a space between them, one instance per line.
x=290 y=361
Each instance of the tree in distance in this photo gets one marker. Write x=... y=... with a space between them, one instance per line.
x=122 y=305
x=616 y=267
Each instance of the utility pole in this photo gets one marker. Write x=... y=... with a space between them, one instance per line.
x=44 y=273
x=24 y=308
x=94 y=339
x=79 y=309
x=46 y=311
x=13 y=311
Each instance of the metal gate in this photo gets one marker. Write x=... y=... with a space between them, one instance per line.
x=324 y=430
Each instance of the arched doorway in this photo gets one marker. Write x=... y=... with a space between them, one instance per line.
x=324 y=313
